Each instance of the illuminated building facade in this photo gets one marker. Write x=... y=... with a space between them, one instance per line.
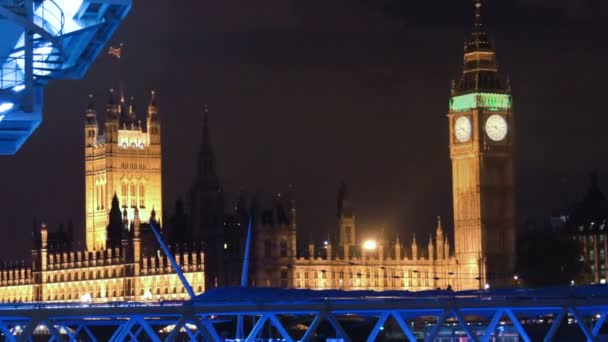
x=122 y=159
x=122 y=260
x=114 y=274
x=349 y=264
x=481 y=149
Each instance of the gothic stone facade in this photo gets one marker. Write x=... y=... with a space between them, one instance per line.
x=121 y=260
x=124 y=159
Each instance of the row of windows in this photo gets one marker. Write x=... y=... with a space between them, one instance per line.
x=84 y=275
x=133 y=194
x=133 y=165
x=373 y=278
x=100 y=196
x=268 y=247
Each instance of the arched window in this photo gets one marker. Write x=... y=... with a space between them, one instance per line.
x=133 y=196
x=141 y=195
x=123 y=193
x=103 y=196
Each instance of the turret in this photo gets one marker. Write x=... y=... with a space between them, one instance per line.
x=346 y=221
x=125 y=218
x=431 y=249
x=153 y=123
x=136 y=239
x=91 y=130
x=114 y=231
x=112 y=118
x=398 y=248
x=414 y=248
x=131 y=111
x=44 y=238
x=440 y=241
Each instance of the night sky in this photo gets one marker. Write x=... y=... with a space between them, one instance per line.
x=312 y=92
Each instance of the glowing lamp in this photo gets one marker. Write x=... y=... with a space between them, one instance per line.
x=370 y=245
x=18 y=88
x=86 y=298
x=6 y=106
x=147 y=295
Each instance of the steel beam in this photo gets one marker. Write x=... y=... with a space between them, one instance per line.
x=376 y=330
x=464 y=325
x=490 y=328
x=517 y=324
x=579 y=320
x=406 y=330
x=337 y=326
x=440 y=320
x=257 y=328
x=598 y=324
x=147 y=328
x=312 y=328
x=8 y=335
x=557 y=322
x=29 y=329
x=277 y=324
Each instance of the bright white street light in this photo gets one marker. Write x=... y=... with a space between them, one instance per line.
x=86 y=298
x=147 y=295
x=370 y=245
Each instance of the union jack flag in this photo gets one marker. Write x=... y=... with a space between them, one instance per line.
x=115 y=51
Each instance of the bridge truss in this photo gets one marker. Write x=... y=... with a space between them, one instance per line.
x=211 y=318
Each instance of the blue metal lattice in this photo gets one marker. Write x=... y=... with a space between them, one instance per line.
x=43 y=40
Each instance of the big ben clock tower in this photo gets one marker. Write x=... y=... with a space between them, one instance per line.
x=481 y=149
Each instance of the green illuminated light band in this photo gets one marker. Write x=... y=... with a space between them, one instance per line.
x=480 y=100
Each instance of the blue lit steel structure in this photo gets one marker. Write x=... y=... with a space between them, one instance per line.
x=198 y=319
x=42 y=40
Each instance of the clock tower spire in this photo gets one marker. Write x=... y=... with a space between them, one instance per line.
x=481 y=150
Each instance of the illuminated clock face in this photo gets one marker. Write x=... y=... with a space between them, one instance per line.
x=496 y=127
x=462 y=129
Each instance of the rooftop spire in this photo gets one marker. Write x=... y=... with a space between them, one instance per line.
x=111 y=97
x=344 y=207
x=91 y=113
x=206 y=157
x=480 y=72
x=91 y=105
x=439 y=227
x=479 y=38
x=153 y=98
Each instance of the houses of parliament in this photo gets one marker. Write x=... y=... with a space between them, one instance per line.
x=207 y=235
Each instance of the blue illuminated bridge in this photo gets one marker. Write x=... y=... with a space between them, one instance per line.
x=43 y=40
x=306 y=315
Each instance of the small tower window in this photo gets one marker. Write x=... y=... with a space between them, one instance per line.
x=123 y=192
x=133 y=196
x=283 y=248
x=348 y=233
x=141 y=195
